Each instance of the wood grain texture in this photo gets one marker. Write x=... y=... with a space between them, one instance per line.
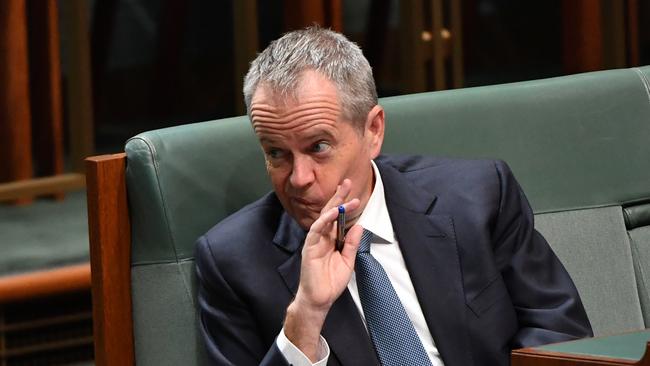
x=44 y=283
x=15 y=117
x=110 y=256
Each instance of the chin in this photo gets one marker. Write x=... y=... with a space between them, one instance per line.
x=304 y=218
x=305 y=222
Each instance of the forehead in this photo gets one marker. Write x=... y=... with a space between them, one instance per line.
x=311 y=85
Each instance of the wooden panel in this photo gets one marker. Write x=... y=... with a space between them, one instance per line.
x=377 y=31
x=3 y=342
x=41 y=186
x=534 y=357
x=165 y=95
x=457 y=63
x=44 y=283
x=246 y=45
x=45 y=87
x=582 y=36
x=413 y=66
x=438 y=54
x=79 y=86
x=614 y=34
x=53 y=330
x=632 y=33
x=300 y=14
x=110 y=256
x=15 y=119
x=334 y=15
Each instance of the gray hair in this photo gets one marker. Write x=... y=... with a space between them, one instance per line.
x=280 y=65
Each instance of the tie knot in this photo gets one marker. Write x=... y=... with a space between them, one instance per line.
x=366 y=239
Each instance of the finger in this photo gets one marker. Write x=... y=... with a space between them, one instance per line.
x=323 y=224
x=340 y=196
x=352 y=241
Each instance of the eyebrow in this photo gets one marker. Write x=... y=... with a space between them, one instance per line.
x=312 y=135
x=267 y=140
x=317 y=134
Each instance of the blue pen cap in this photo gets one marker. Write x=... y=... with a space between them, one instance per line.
x=341 y=209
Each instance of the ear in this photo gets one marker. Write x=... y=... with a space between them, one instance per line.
x=374 y=130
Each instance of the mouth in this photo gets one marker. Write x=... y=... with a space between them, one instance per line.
x=306 y=204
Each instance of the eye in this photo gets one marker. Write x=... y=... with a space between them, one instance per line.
x=320 y=147
x=274 y=153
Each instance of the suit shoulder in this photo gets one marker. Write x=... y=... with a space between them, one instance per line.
x=430 y=169
x=253 y=221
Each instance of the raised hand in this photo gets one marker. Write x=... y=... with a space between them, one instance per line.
x=324 y=272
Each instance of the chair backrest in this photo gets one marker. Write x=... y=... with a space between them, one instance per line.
x=577 y=144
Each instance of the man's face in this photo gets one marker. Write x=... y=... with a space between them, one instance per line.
x=310 y=148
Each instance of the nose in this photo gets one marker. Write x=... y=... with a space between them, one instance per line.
x=302 y=174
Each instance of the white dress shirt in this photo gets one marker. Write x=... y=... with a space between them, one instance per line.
x=385 y=249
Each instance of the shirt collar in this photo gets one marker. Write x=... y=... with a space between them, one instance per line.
x=375 y=216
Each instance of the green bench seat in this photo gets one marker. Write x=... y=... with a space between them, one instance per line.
x=579 y=145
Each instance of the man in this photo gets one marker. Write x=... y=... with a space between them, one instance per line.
x=441 y=263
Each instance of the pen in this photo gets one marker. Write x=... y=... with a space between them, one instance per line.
x=340 y=228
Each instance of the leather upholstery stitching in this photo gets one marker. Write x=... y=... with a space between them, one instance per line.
x=644 y=80
x=179 y=268
x=156 y=169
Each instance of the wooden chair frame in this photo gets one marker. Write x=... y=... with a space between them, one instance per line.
x=44 y=283
x=110 y=257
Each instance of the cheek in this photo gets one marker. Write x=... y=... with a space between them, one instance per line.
x=278 y=178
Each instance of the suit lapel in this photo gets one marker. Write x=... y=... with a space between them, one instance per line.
x=428 y=244
x=344 y=330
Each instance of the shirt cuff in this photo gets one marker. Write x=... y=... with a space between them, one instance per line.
x=295 y=356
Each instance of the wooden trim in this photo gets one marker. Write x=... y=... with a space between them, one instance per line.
x=458 y=66
x=41 y=186
x=537 y=357
x=632 y=33
x=614 y=34
x=438 y=55
x=582 y=36
x=45 y=88
x=334 y=15
x=79 y=83
x=110 y=257
x=32 y=324
x=3 y=342
x=44 y=283
x=412 y=60
x=49 y=346
x=246 y=45
x=15 y=116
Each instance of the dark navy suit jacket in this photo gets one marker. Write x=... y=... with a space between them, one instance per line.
x=486 y=281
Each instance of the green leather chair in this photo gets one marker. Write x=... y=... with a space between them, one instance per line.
x=579 y=145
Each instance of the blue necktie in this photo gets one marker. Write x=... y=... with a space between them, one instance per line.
x=391 y=330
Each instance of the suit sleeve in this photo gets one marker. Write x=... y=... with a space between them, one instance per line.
x=546 y=301
x=227 y=327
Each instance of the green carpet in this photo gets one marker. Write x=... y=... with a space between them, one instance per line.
x=43 y=235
